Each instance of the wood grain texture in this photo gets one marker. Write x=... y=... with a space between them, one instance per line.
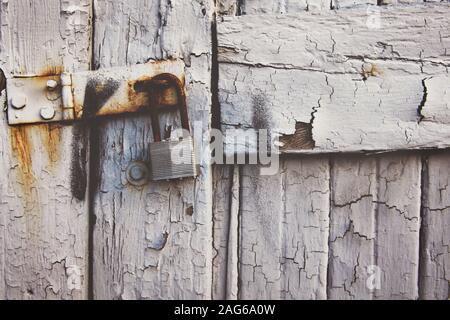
x=353 y=227
x=344 y=4
x=258 y=7
x=375 y=223
x=398 y=226
x=435 y=240
x=284 y=231
x=153 y=242
x=222 y=186
x=338 y=71
x=43 y=225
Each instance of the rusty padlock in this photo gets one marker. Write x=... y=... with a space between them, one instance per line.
x=170 y=159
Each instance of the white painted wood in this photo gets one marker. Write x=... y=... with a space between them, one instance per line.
x=306 y=228
x=226 y=215
x=43 y=217
x=261 y=235
x=436 y=108
x=375 y=222
x=397 y=2
x=353 y=227
x=154 y=242
x=258 y=7
x=338 y=72
x=398 y=226
x=435 y=239
x=284 y=231
x=341 y=4
x=233 y=237
x=222 y=185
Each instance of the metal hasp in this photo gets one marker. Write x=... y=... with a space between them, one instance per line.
x=153 y=88
x=84 y=95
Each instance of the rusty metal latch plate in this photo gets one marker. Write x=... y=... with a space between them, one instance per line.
x=75 y=96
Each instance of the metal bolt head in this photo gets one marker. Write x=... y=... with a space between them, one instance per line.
x=137 y=173
x=19 y=101
x=47 y=113
x=51 y=85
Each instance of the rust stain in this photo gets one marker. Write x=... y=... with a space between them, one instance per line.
x=22 y=148
x=51 y=71
x=20 y=145
x=51 y=140
x=370 y=70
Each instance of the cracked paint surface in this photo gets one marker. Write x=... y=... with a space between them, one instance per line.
x=360 y=89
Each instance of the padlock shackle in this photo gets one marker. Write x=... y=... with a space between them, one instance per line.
x=155 y=84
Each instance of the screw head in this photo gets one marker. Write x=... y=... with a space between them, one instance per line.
x=51 y=85
x=47 y=113
x=19 y=101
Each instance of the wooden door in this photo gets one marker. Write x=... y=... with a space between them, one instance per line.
x=357 y=93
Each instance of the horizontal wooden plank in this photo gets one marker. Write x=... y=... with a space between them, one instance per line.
x=344 y=81
x=282 y=6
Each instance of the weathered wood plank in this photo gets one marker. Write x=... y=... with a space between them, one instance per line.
x=435 y=238
x=258 y=7
x=44 y=220
x=306 y=228
x=341 y=4
x=337 y=76
x=375 y=222
x=222 y=186
x=284 y=231
x=352 y=227
x=395 y=2
x=153 y=242
x=261 y=235
x=398 y=226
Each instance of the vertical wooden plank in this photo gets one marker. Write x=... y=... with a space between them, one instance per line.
x=284 y=231
x=398 y=226
x=435 y=237
x=226 y=203
x=261 y=234
x=306 y=228
x=375 y=222
x=153 y=242
x=233 y=237
x=44 y=220
x=353 y=226
x=222 y=187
